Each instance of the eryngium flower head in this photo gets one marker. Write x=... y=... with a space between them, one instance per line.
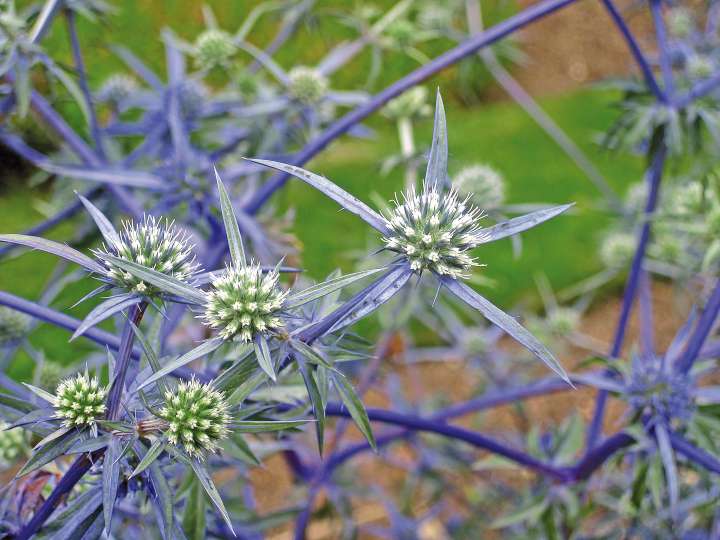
x=80 y=401
x=154 y=243
x=244 y=302
x=213 y=47
x=434 y=230
x=13 y=325
x=116 y=88
x=617 y=249
x=410 y=104
x=485 y=185
x=563 y=320
x=663 y=394
x=197 y=417
x=680 y=22
x=307 y=85
x=13 y=444
x=699 y=66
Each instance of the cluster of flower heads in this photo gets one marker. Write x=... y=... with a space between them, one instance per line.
x=434 y=230
x=307 y=85
x=197 y=417
x=154 y=243
x=80 y=401
x=483 y=183
x=244 y=302
x=13 y=325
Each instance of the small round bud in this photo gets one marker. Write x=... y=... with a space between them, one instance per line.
x=680 y=22
x=410 y=104
x=154 y=243
x=246 y=83
x=699 y=66
x=434 y=230
x=244 y=302
x=213 y=48
x=80 y=401
x=49 y=376
x=14 y=325
x=13 y=444
x=307 y=85
x=117 y=88
x=485 y=185
x=617 y=249
x=563 y=320
x=197 y=418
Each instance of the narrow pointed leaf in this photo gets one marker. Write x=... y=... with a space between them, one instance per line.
x=504 y=321
x=310 y=354
x=204 y=476
x=520 y=224
x=47 y=396
x=668 y=460
x=194 y=515
x=335 y=192
x=48 y=452
x=235 y=243
x=105 y=310
x=265 y=426
x=109 y=233
x=353 y=404
x=198 y=352
x=325 y=288
x=149 y=458
x=262 y=352
x=316 y=401
x=436 y=173
x=110 y=479
x=56 y=248
x=162 y=281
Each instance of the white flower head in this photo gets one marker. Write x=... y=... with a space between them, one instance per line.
x=700 y=66
x=617 y=249
x=434 y=230
x=409 y=104
x=13 y=325
x=213 y=47
x=116 y=88
x=155 y=243
x=80 y=401
x=563 y=320
x=307 y=85
x=243 y=302
x=197 y=417
x=484 y=184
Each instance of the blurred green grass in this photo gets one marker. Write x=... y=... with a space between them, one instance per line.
x=499 y=134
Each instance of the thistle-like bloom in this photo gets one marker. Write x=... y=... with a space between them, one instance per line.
x=409 y=104
x=700 y=66
x=116 y=88
x=80 y=401
x=662 y=394
x=13 y=325
x=434 y=230
x=244 y=302
x=680 y=22
x=617 y=249
x=307 y=85
x=213 y=47
x=154 y=243
x=13 y=444
x=485 y=185
x=563 y=320
x=197 y=417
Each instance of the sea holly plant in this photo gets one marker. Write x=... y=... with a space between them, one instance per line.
x=433 y=232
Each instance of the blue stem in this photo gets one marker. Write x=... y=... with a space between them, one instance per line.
x=704 y=326
x=663 y=49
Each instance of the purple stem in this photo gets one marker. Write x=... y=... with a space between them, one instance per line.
x=693 y=453
x=699 y=90
x=663 y=49
x=636 y=51
x=122 y=362
x=594 y=459
x=655 y=176
x=702 y=330
x=449 y=58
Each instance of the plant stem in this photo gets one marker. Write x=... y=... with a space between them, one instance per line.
x=124 y=357
x=663 y=49
x=704 y=326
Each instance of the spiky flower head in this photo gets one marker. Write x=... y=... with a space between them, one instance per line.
x=214 y=47
x=410 y=104
x=680 y=22
x=617 y=249
x=244 y=302
x=197 y=417
x=13 y=444
x=563 y=320
x=434 y=230
x=688 y=198
x=667 y=246
x=116 y=88
x=49 y=376
x=483 y=183
x=13 y=325
x=700 y=66
x=660 y=393
x=80 y=401
x=307 y=85
x=154 y=243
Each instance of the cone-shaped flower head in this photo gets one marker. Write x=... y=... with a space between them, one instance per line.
x=197 y=417
x=307 y=85
x=213 y=47
x=485 y=185
x=156 y=244
x=13 y=325
x=243 y=302
x=80 y=400
x=116 y=88
x=617 y=249
x=434 y=230
x=13 y=444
